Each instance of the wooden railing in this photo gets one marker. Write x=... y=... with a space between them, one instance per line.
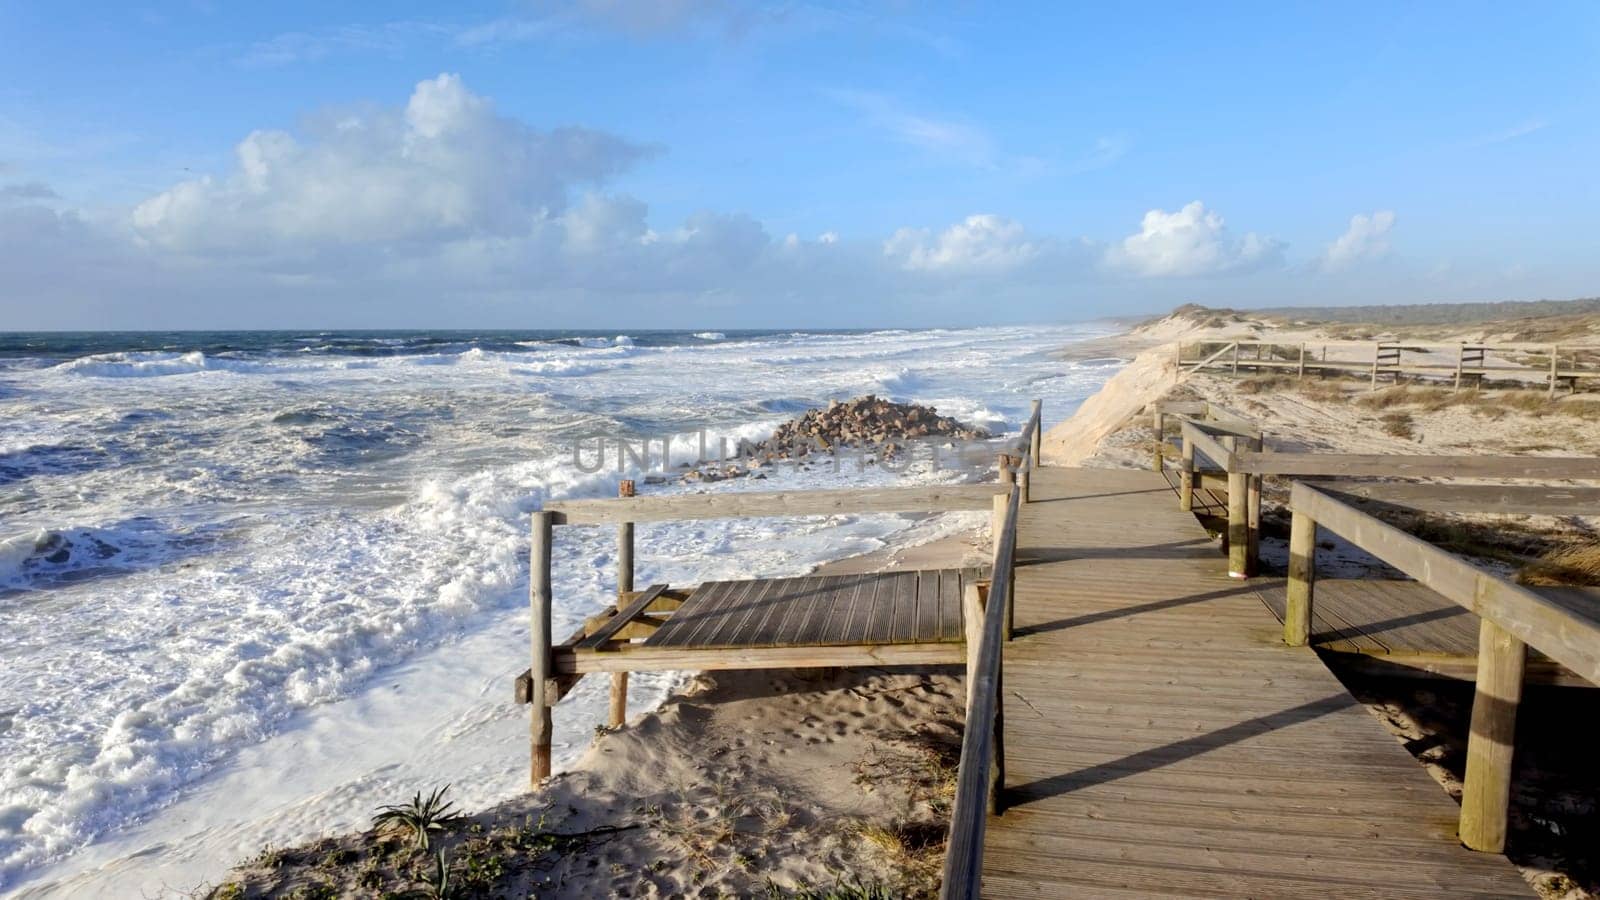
x=1512 y=618
x=1454 y=362
x=1235 y=450
x=988 y=618
x=541 y=686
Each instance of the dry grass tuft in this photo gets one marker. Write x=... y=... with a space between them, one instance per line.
x=1323 y=390
x=1570 y=565
x=1398 y=424
x=1262 y=384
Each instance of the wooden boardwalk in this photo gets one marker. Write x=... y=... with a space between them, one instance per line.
x=1406 y=624
x=1160 y=739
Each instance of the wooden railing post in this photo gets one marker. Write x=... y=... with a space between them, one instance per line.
x=619 y=680
x=1186 y=476
x=999 y=523
x=1238 y=515
x=1555 y=355
x=1007 y=475
x=539 y=601
x=1253 y=517
x=1036 y=414
x=972 y=632
x=1486 y=795
x=1161 y=439
x=1302 y=579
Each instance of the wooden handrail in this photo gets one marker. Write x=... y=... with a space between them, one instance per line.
x=975 y=782
x=1540 y=623
x=752 y=504
x=1380 y=464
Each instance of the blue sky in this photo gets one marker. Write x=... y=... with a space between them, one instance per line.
x=699 y=163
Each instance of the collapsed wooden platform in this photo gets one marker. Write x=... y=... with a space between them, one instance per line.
x=884 y=618
x=1396 y=626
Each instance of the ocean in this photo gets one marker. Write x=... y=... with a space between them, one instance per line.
x=254 y=584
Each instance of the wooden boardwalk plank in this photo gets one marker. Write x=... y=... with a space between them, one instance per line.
x=816 y=611
x=1161 y=739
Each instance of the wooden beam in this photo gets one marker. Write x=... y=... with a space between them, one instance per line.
x=1238 y=517
x=541 y=668
x=1486 y=793
x=644 y=658
x=1378 y=464
x=752 y=504
x=1186 y=476
x=1547 y=626
x=608 y=632
x=1302 y=579
x=1208 y=445
x=1468 y=498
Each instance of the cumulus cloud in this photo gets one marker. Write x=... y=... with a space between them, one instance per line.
x=984 y=242
x=1366 y=238
x=446 y=166
x=1191 y=241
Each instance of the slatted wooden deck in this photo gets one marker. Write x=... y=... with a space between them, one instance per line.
x=817 y=611
x=1405 y=624
x=1161 y=740
x=881 y=618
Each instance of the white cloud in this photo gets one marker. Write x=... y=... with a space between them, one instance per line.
x=446 y=166
x=982 y=242
x=1366 y=238
x=1191 y=241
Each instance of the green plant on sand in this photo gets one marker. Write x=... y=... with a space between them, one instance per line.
x=419 y=818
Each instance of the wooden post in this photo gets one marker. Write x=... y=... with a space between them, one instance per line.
x=1302 y=372
x=1024 y=480
x=997 y=770
x=1302 y=579
x=1238 y=516
x=1555 y=354
x=1186 y=476
x=539 y=600
x=1377 y=350
x=1486 y=796
x=619 y=680
x=1253 y=514
x=1036 y=413
x=1235 y=357
x=999 y=519
x=1461 y=361
x=971 y=631
x=1007 y=474
x=1161 y=438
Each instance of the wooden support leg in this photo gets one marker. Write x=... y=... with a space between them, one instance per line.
x=1253 y=520
x=1161 y=440
x=619 y=700
x=1486 y=796
x=1238 y=517
x=1186 y=477
x=1007 y=475
x=539 y=600
x=1302 y=579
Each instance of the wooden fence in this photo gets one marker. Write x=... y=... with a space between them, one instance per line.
x=1457 y=363
x=1217 y=442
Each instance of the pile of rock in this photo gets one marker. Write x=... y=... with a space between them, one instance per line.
x=866 y=422
x=873 y=426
